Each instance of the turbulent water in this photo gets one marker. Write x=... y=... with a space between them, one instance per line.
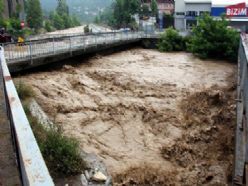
x=127 y=108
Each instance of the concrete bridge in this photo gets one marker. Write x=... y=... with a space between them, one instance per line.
x=55 y=48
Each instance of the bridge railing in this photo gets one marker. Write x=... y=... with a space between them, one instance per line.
x=50 y=46
x=32 y=167
x=241 y=136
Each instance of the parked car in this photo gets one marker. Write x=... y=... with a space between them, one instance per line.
x=4 y=37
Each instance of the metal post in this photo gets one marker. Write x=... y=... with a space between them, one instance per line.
x=70 y=46
x=53 y=46
x=30 y=52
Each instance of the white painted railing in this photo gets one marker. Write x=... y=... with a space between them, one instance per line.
x=33 y=169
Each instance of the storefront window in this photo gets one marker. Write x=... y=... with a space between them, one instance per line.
x=180 y=13
x=191 y=13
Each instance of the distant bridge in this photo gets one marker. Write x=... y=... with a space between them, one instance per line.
x=55 y=48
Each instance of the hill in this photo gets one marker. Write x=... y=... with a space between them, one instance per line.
x=85 y=10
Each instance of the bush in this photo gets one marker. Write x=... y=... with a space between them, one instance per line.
x=48 y=26
x=187 y=41
x=24 y=91
x=213 y=39
x=61 y=153
x=86 y=29
x=170 y=40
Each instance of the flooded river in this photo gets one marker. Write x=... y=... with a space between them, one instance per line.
x=147 y=114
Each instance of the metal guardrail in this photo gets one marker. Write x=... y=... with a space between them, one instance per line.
x=33 y=169
x=56 y=45
x=240 y=176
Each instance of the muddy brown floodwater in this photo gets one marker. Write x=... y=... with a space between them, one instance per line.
x=153 y=118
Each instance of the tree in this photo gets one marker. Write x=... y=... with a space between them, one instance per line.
x=75 y=21
x=60 y=19
x=170 y=40
x=213 y=39
x=62 y=8
x=1 y=8
x=97 y=20
x=34 y=14
x=124 y=11
x=144 y=10
x=135 y=6
x=48 y=26
x=57 y=21
x=154 y=8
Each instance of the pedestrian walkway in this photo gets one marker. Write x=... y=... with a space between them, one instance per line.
x=9 y=173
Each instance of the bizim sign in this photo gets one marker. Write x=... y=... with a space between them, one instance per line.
x=236 y=10
x=230 y=10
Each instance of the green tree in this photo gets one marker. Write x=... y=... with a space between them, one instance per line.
x=213 y=39
x=57 y=21
x=97 y=20
x=48 y=26
x=170 y=40
x=1 y=9
x=123 y=11
x=154 y=8
x=2 y=21
x=18 y=10
x=134 y=6
x=144 y=10
x=34 y=14
x=62 y=8
x=61 y=19
x=75 y=21
x=67 y=21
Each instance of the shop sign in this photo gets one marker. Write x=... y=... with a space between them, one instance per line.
x=236 y=10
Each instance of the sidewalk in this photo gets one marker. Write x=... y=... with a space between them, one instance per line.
x=9 y=174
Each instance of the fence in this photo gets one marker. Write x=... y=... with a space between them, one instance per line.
x=32 y=166
x=56 y=45
x=241 y=136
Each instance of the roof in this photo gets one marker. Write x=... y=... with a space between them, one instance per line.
x=159 y=1
x=197 y=1
x=223 y=3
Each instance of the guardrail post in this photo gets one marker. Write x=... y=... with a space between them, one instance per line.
x=53 y=46
x=30 y=52
x=70 y=46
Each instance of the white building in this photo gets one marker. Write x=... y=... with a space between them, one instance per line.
x=187 y=11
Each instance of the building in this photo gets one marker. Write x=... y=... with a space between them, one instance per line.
x=10 y=7
x=164 y=6
x=187 y=11
x=235 y=10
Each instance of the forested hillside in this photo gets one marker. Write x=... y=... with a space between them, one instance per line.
x=85 y=10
